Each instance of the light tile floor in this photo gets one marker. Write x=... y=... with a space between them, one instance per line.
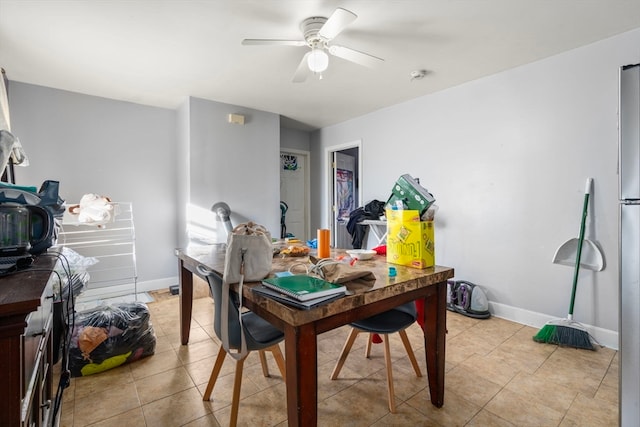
x=496 y=375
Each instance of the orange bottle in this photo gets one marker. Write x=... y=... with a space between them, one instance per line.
x=324 y=238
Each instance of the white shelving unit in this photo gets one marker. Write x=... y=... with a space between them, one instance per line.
x=113 y=245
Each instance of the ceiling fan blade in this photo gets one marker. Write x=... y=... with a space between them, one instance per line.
x=247 y=42
x=337 y=22
x=355 y=56
x=302 y=71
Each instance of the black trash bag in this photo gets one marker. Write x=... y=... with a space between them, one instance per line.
x=109 y=336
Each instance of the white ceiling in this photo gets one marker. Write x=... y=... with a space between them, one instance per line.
x=160 y=52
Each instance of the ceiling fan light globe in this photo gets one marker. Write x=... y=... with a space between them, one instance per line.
x=318 y=60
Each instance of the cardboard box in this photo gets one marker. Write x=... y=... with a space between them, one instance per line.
x=412 y=194
x=410 y=241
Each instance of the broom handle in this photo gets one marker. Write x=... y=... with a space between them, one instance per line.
x=585 y=205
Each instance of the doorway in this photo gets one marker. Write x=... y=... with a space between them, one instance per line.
x=345 y=189
x=294 y=192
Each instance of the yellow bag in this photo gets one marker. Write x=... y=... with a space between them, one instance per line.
x=410 y=241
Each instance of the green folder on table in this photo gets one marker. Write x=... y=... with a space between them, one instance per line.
x=303 y=287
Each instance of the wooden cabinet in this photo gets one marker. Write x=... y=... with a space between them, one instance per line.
x=26 y=318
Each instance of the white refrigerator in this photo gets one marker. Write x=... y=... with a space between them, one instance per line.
x=629 y=241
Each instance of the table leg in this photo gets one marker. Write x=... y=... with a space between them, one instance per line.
x=302 y=375
x=435 y=329
x=186 y=301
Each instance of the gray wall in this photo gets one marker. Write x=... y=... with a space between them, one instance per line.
x=294 y=139
x=182 y=177
x=507 y=157
x=161 y=160
x=236 y=164
x=95 y=145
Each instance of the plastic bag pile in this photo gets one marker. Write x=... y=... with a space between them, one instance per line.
x=109 y=336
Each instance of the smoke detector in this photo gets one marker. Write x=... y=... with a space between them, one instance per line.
x=417 y=74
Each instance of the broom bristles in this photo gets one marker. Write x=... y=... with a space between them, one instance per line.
x=565 y=332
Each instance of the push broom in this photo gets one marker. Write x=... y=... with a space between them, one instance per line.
x=567 y=332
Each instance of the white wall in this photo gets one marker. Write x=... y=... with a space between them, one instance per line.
x=95 y=145
x=507 y=157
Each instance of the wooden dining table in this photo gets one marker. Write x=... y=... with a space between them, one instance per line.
x=302 y=327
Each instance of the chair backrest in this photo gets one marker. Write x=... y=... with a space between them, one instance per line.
x=408 y=309
x=390 y=321
x=215 y=286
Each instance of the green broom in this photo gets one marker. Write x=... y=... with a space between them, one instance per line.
x=567 y=332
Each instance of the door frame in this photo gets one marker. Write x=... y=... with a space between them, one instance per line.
x=328 y=178
x=307 y=186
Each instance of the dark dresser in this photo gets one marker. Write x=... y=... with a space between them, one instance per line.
x=26 y=356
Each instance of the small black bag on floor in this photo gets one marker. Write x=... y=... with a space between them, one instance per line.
x=468 y=299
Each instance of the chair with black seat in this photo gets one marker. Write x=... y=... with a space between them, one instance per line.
x=259 y=335
x=388 y=322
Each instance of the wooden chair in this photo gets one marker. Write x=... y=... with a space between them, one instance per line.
x=394 y=320
x=259 y=335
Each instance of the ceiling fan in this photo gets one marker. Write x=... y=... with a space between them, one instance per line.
x=318 y=32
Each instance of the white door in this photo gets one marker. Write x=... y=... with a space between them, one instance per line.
x=294 y=179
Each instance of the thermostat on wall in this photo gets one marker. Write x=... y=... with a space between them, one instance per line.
x=237 y=119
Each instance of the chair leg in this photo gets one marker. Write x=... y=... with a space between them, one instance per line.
x=237 y=384
x=214 y=373
x=367 y=348
x=387 y=360
x=277 y=355
x=345 y=352
x=412 y=357
x=263 y=362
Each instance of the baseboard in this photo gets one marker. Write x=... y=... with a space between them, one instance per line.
x=605 y=337
x=117 y=290
x=158 y=284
